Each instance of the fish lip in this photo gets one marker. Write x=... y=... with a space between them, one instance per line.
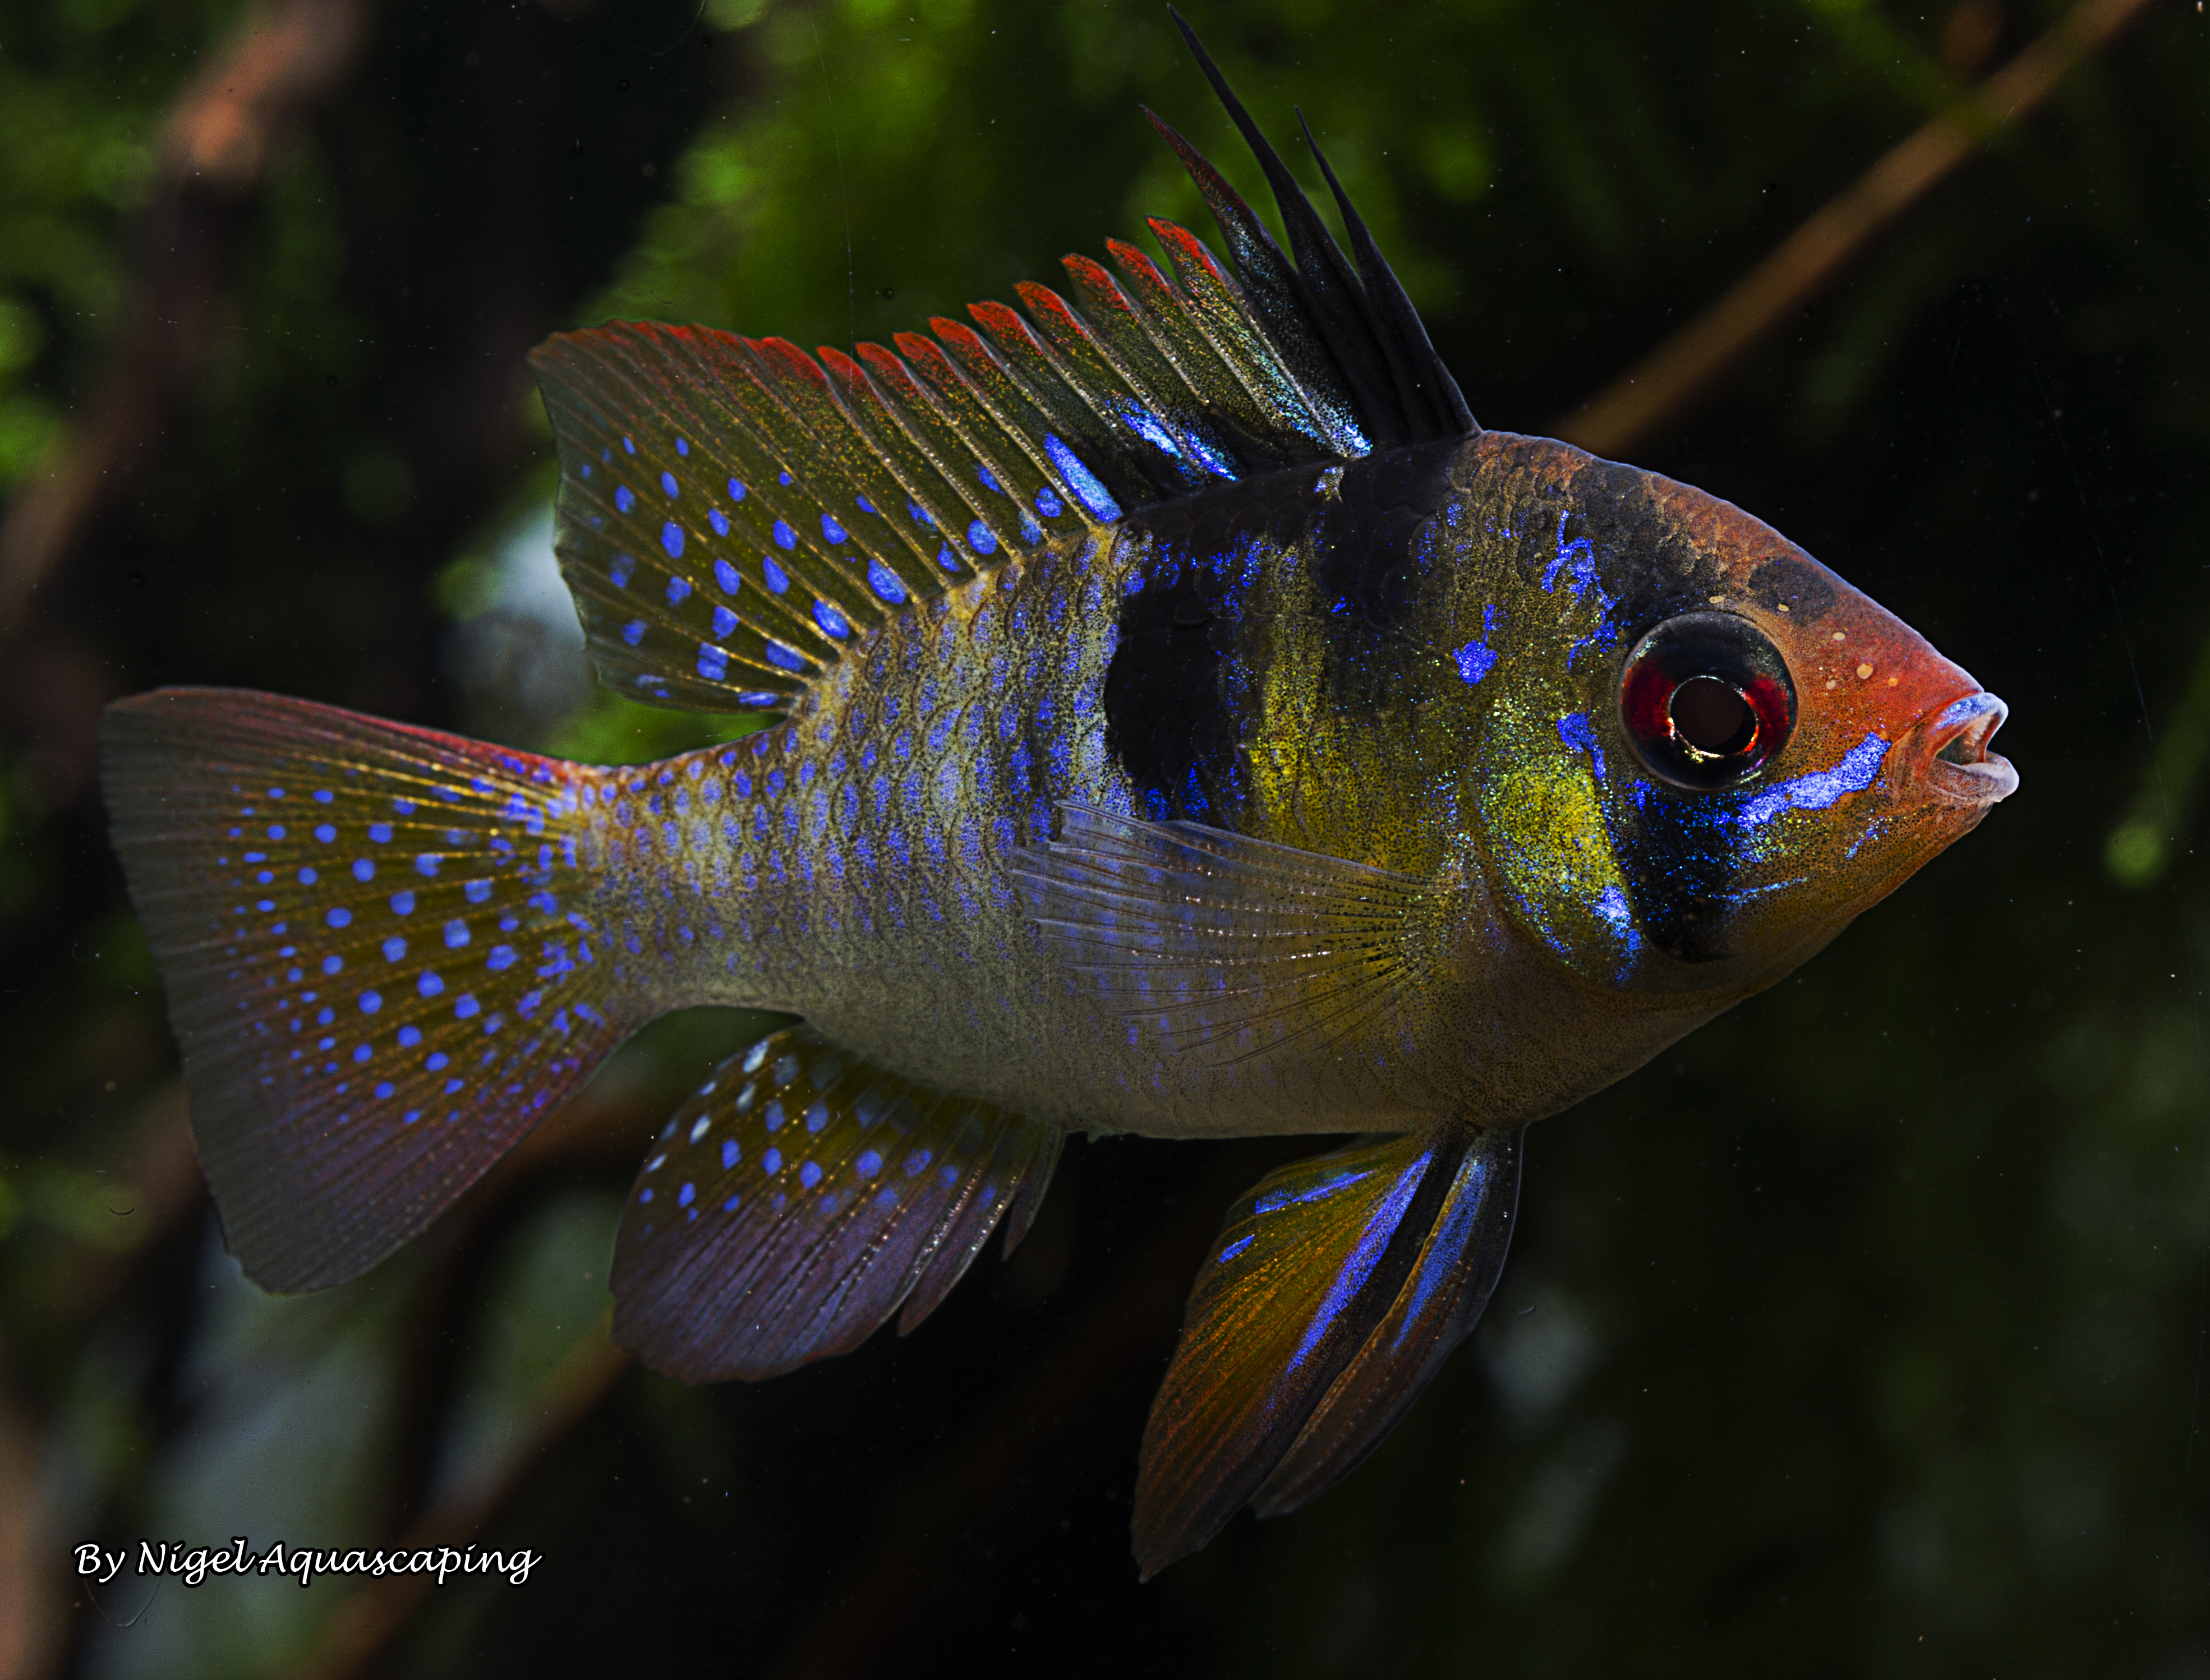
x=1950 y=758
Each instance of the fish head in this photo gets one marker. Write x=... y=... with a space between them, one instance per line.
x=1717 y=752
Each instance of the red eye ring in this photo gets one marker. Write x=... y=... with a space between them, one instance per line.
x=1706 y=699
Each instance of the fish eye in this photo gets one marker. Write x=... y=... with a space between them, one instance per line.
x=1707 y=699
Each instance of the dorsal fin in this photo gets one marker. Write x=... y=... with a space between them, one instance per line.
x=733 y=512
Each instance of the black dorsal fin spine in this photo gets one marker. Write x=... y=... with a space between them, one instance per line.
x=1363 y=320
x=1322 y=281
x=1276 y=292
x=1406 y=338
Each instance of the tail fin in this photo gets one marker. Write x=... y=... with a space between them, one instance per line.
x=378 y=952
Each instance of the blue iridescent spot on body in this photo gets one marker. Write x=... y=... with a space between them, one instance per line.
x=363 y=870
x=667 y=483
x=379 y=832
x=671 y=538
x=730 y=1155
x=682 y=447
x=736 y=490
x=338 y=918
x=1575 y=730
x=1475 y=661
x=624 y=500
x=1238 y=1246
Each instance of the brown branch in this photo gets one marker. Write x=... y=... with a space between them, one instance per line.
x=1689 y=362
x=215 y=144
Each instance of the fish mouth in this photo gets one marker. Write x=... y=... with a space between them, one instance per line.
x=1951 y=758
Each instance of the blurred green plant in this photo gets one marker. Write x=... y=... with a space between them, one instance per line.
x=2140 y=849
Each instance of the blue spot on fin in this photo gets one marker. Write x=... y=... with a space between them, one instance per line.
x=975 y=434
x=360 y=1056
x=878 y=1202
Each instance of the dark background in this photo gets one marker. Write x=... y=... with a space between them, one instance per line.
x=1863 y=1333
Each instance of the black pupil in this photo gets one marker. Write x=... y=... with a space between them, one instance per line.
x=1712 y=717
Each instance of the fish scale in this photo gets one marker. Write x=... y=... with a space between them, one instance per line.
x=1183 y=719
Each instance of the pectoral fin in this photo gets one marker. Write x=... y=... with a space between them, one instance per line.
x=1337 y=1289
x=1230 y=946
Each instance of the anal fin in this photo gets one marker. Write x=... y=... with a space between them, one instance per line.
x=1336 y=1289
x=803 y=1195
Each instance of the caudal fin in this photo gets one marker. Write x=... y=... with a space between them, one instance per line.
x=379 y=952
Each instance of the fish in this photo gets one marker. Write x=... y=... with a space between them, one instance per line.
x=1183 y=719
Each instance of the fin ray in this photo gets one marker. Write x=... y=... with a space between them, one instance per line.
x=733 y=512
x=377 y=944
x=1236 y=946
x=1438 y=1308
x=801 y=1198
x=1286 y=1298
x=1338 y=1287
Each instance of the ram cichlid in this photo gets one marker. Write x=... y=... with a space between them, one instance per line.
x=1187 y=721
